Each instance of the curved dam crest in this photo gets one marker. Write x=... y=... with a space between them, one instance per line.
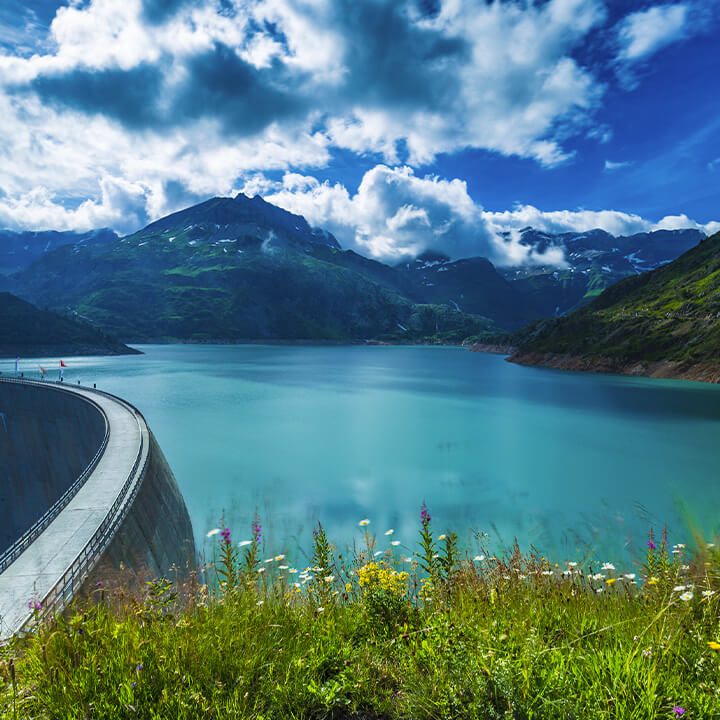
x=85 y=488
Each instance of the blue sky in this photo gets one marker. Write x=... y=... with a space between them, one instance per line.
x=396 y=124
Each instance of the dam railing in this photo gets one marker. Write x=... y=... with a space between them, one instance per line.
x=26 y=539
x=73 y=577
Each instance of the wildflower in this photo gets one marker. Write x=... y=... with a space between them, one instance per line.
x=329 y=578
x=713 y=645
x=261 y=570
x=478 y=558
x=256 y=529
x=708 y=593
x=647 y=652
x=424 y=514
x=279 y=558
x=687 y=596
x=679 y=546
x=442 y=537
x=611 y=581
x=260 y=602
x=390 y=531
x=269 y=560
x=35 y=605
x=607 y=566
x=572 y=564
x=364 y=523
x=651 y=545
x=320 y=609
x=214 y=531
x=292 y=570
x=243 y=543
x=710 y=546
x=226 y=536
x=407 y=559
x=679 y=588
x=377 y=552
x=652 y=580
x=599 y=590
x=139 y=667
x=598 y=576
x=679 y=711
x=283 y=567
x=395 y=543
x=547 y=572
x=296 y=585
x=629 y=576
x=348 y=587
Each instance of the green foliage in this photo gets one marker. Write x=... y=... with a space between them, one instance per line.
x=499 y=638
x=26 y=330
x=669 y=314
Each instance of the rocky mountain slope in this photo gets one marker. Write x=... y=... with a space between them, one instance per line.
x=665 y=322
x=237 y=268
x=241 y=268
x=18 y=250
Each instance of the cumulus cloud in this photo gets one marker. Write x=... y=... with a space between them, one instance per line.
x=643 y=33
x=122 y=205
x=197 y=78
x=395 y=214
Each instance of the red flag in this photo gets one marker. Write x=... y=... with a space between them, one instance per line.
x=62 y=363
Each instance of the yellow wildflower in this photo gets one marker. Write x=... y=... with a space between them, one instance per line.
x=713 y=645
x=611 y=581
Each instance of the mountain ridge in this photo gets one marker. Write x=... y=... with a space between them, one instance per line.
x=664 y=323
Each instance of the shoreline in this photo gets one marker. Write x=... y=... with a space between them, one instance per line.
x=705 y=372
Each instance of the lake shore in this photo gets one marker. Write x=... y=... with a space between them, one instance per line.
x=700 y=372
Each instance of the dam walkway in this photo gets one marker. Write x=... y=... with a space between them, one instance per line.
x=50 y=563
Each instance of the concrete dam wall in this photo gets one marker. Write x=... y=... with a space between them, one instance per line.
x=119 y=502
x=47 y=438
x=157 y=534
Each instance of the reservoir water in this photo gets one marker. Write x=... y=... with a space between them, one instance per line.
x=572 y=463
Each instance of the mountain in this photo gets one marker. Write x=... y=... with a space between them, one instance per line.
x=665 y=322
x=26 y=331
x=595 y=260
x=236 y=268
x=241 y=268
x=470 y=285
x=18 y=250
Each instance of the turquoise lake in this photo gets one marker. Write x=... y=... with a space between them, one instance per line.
x=570 y=462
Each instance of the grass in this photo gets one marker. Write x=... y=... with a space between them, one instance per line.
x=377 y=636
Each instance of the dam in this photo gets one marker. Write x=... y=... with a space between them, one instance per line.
x=84 y=490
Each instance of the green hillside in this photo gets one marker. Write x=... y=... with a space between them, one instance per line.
x=233 y=269
x=26 y=331
x=670 y=314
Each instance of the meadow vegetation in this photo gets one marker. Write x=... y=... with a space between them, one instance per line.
x=428 y=632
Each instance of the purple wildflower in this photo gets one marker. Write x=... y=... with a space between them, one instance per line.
x=225 y=534
x=35 y=605
x=256 y=530
x=679 y=711
x=424 y=514
x=651 y=544
x=139 y=667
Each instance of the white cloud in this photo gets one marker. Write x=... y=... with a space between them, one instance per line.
x=395 y=214
x=560 y=221
x=611 y=166
x=122 y=205
x=643 y=33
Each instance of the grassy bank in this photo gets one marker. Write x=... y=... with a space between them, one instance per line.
x=383 y=635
